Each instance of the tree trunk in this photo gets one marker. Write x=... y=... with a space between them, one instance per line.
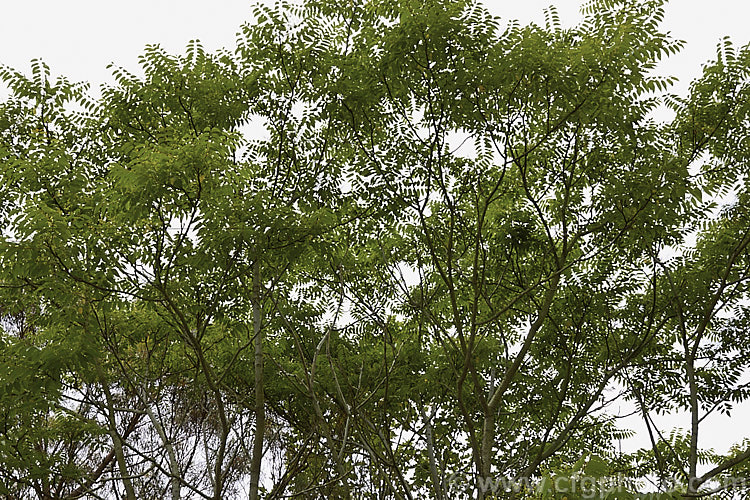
x=260 y=414
x=117 y=441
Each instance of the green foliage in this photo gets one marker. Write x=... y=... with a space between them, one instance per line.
x=387 y=249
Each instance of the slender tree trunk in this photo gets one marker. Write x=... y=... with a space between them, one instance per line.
x=496 y=394
x=174 y=466
x=117 y=443
x=695 y=420
x=260 y=412
x=437 y=482
x=323 y=424
x=488 y=443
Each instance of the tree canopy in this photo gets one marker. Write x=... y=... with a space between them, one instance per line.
x=380 y=249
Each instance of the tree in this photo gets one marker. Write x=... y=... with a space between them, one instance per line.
x=451 y=249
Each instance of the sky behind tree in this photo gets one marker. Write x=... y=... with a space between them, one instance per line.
x=79 y=38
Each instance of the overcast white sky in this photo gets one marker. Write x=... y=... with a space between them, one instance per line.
x=79 y=38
